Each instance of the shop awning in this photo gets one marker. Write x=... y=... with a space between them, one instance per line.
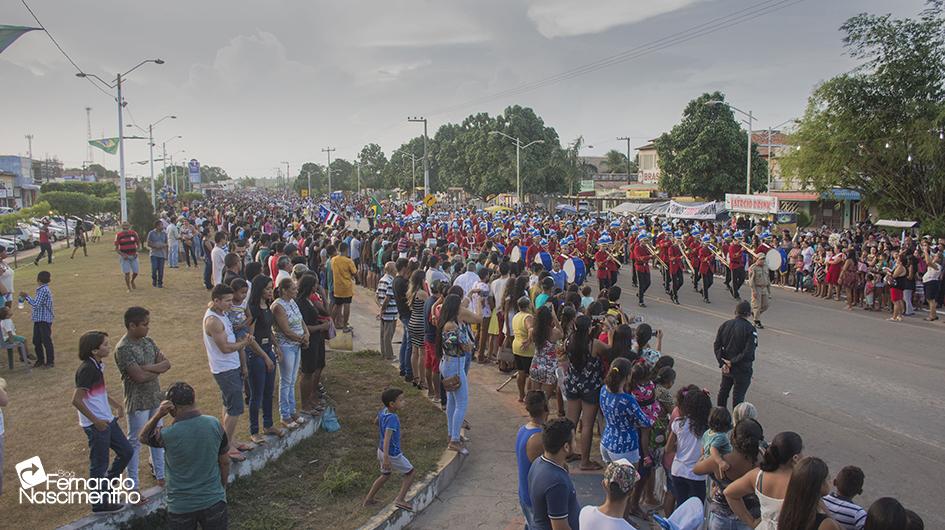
x=797 y=196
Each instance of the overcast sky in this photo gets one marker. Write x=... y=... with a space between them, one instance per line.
x=256 y=83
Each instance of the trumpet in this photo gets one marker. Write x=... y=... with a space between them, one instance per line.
x=682 y=250
x=654 y=253
x=751 y=252
x=718 y=255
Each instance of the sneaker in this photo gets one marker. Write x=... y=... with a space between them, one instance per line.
x=108 y=508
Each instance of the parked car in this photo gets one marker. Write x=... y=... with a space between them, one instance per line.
x=6 y=209
x=56 y=232
x=19 y=235
x=9 y=245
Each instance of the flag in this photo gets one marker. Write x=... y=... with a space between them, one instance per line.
x=409 y=209
x=8 y=34
x=109 y=145
x=376 y=206
x=327 y=216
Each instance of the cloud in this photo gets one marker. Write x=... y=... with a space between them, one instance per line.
x=247 y=60
x=562 y=18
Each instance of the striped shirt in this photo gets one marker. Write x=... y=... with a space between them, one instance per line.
x=385 y=289
x=42 y=304
x=126 y=242
x=848 y=515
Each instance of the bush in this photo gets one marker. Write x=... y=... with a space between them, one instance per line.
x=803 y=220
x=191 y=196
x=140 y=213
x=97 y=189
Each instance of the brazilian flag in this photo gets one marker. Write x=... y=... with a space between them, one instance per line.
x=376 y=206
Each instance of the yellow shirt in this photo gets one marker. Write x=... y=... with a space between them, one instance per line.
x=342 y=276
x=521 y=333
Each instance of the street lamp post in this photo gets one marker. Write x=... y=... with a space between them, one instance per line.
x=328 y=169
x=151 y=127
x=413 y=172
x=123 y=194
x=426 y=162
x=518 y=150
x=164 y=159
x=750 y=120
x=770 y=130
x=286 y=176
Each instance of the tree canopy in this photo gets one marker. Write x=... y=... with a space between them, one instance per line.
x=879 y=128
x=704 y=155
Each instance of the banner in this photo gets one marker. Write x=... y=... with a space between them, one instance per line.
x=760 y=204
x=8 y=34
x=193 y=168
x=109 y=145
x=701 y=211
x=587 y=186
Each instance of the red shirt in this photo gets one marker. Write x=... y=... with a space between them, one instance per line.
x=641 y=258
x=126 y=242
x=735 y=257
x=706 y=258
x=600 y=260
x=675 y=259
x=44 y=235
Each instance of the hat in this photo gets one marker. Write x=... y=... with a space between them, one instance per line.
x=622 y=473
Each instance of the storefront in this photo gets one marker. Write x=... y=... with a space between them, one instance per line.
x=836 y=208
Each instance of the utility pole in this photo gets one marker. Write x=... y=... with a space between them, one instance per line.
x=328 y=168
x=88 y=134
x=748 y=170
x=286 y=176
x=29 y=141
x=426 y=161
x=627 y=139
x=357 y=165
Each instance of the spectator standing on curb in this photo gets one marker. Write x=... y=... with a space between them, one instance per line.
x=619 y=479
x=389 y=453
x=839 y=503
x=198 y=467
x=157 y=244
x=141 y=363
x=400 y=286
x=528 y=448
x=126 y=245
x=95 y=406
x=42 y=317
x=554 y=500
x=343 y=271
x=4 y=401
x=217 y=257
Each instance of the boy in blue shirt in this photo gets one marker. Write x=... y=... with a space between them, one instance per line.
x=389 y=454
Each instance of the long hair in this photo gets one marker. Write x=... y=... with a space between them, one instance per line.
x=747 y=438
x=519 y=288
x=799 y=508
x=617 y=374
x=259 y=285
x=621 y=345
x=696 y=407
x=449 y=312
x=579 y=344
x=416 y=283
x=783 y=448
x=543 y=326
x=306 y=286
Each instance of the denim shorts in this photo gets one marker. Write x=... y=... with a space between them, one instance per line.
x=608 y=456
x=128 y=265
x=231 y=387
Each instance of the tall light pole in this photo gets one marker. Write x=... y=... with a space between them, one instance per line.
x=123 y=194
x=426 y=161
x=750 y=120
x=518 y=150
x=164 y=158
x=150 y=131
x=286 y=176
x=770 y=130
x=627 y=139
x=328 y=169
x=413 y=171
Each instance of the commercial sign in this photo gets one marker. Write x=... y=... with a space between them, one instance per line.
x=193 y=168
x=760 y=204
x=587 y=186
x=638 y=194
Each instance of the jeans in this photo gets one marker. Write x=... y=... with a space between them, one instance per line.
x=198 y=246
x=207 y=274
x=467 y=362
x=719 y=522
x=99 y=444
x=215 y=517
x=740 y=380
x=405 y=367
x=45 y=250
x=42 y=343
x=798 y=280
x=457 y=401
x=189 y=254
x=173 y=250
x=529 y=514
x=388 y=328
x=907 y=298
x=288 y=373
x=685 y=488
x=262 y=383
x=157 y=271
x=136 y=421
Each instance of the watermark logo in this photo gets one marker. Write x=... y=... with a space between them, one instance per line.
x=63 y=487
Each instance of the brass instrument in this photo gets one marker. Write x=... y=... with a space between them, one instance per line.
x=685 y=257
x=652 y=250
x=718 y=255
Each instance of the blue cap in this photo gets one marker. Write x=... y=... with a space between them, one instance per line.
x=678 y=233
x=605 y=239
x=706 y=238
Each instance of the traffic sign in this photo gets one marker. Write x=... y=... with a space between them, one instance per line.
x=429 y=200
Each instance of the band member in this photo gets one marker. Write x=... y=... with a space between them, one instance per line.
x=706 y=261
x=663 y=242
x=675 y=262
x=641 y=262
x=631 y=245
x=601 y=259
x=760 y=289
x=726 y=243
x=693 y=249
x=736 y=262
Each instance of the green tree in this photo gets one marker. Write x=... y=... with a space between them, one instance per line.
x=616 y=161
x=101 y=173
x=70 y=203
x=140 y=212
x=373 y=163
x=212 y=174
x=704 y=155
x=878 y=128
x=319 y=185
x=98 y=189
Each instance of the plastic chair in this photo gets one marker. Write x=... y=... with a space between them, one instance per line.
x=689 y=516
x=9 y=347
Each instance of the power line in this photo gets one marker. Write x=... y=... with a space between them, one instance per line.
x=62 y=51
x=711 y=26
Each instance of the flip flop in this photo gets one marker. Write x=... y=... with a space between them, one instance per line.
x=236 y=456
x=404 y=506
x=245 y=446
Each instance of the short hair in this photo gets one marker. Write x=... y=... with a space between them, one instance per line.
x=743 y=308
x=744 y=410
x=556 y=433
x=43 y=277
x=238 y=283
x=343 y=247
x=286 y=283
x=219 y=237
x=136 y=315
x=401 y=264
x=849 y=481
x=283 y=261
x=89 y=342
x=504 y=268
x=219 y=291
x=390 y=395
x=720 y=419
x=180 y=394
x=613 y=293
x=536 y=403
x=230 y=260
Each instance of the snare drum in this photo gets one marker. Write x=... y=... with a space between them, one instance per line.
x=575 y=270
x=544 y=259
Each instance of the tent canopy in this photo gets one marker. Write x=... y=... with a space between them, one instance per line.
x=896 y=224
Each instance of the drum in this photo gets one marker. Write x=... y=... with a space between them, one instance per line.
x=575 y=271
x=501 y=248
x=518 y=253
x=544 y=259
x=773 y=260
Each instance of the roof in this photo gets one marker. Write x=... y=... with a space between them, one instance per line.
x=648 y=146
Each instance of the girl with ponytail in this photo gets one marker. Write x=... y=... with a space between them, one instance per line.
x=768 y=482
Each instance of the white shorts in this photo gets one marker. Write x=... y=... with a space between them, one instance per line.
x=398 y=463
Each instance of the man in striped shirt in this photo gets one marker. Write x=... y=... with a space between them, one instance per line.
x=840 y=505
x=126 y=244
x=388 y=309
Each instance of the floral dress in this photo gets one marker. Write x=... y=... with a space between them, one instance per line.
x=585 y=382
x=645 y=395
x=544 y=363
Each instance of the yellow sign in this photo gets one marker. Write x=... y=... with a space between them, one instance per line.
x=429 y=200
x=638 y=194
x=304 y=193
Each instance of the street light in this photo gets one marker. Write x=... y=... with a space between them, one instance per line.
x=750 y=116
x=770 y=129
x=150 y=132
x=121 y=142
x=518 y=149
x=426 y=161
x=164 y=157
x=413 y=171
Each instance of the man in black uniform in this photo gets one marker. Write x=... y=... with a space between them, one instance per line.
x=735 y=345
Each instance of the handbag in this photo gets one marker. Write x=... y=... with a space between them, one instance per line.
x=452 y=383
x=332 y=331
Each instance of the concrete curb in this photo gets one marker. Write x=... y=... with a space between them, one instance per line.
x=421 y=494
x=256 y=460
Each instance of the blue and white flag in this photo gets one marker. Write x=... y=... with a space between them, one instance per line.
x=327 y=216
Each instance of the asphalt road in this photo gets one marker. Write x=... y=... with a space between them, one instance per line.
x=858 y=389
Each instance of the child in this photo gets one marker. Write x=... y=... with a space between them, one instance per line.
x=8 y=330
x=839 y=503
x=42 y=320
x=237 y=315
x=95 y=406
x=586 y=298
x=388 y=449
x=715 y=441
x=868 y=292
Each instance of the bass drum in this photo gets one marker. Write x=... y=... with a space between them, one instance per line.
x=575 y=271
x=773 y=260
x=518 y=253
x=544 y=259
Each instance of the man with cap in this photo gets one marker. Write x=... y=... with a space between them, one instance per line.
x=760 y=283
x=619 y=479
